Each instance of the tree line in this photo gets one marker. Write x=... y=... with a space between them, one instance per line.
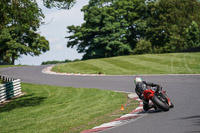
x=111 y=27
x=58 y=62
x=124 y=27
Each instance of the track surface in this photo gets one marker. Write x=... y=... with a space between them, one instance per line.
x=184 y=91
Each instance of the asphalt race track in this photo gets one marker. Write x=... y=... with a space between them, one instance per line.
x=183 y=90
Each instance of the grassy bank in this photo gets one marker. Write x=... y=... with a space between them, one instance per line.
x=173 y=63
x=61 y=109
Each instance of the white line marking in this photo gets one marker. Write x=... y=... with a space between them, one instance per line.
x=138 y=108
x=109 y=124
x=129 y=115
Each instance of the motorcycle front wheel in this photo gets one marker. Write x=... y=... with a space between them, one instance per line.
x=172 y=105
x=161 y=104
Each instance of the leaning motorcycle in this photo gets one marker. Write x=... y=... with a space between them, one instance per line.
x=159 y=99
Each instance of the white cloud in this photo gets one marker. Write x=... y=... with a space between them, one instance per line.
x=54 y=40
x=59 y=47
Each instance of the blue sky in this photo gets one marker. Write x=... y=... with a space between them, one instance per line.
x=55 y=31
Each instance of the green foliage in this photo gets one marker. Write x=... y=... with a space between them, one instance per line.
x=143 y=47
x=59 y=62
x=193 y=35
x=60 y=4
x=18 y=33
x=167 y=21
x=108 y=29
x=113 y=28
x=19 y=22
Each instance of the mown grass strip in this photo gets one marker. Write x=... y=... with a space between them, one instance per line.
x=170 y=63
x=55 y=109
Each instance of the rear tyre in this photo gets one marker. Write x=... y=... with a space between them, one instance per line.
x=161 y=104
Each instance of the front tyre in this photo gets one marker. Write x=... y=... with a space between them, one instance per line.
x=161 y=104
x=172 y=105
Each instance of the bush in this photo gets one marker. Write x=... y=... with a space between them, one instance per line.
x=143 y=47
x=59 y=62
x=193 y=35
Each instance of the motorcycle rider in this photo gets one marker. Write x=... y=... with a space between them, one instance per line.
x=140 y=86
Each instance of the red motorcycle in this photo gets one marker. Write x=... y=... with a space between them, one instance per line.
x=159 y=99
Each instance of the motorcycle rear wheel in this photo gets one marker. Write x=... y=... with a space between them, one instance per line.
x=162 y=105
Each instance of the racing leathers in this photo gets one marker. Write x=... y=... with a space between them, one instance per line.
x=140 y=87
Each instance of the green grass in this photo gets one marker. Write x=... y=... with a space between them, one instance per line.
x=52 y=109
x=172 y=63
x=2 y=66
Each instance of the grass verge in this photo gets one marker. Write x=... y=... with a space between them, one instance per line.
x=172 y=63
x=2 y=66
x=55 y=109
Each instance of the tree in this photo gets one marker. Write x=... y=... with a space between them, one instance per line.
x=18 y=33
x=193 y=36
x=19 y=21
x=60 y=4
x=3 y=13
x=167 y=21
x=143 y=47
x=110 y=28
x=121 y=27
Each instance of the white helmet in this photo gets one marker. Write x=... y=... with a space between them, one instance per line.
x=137 y=80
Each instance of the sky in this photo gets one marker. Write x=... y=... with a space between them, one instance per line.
x=55 y=32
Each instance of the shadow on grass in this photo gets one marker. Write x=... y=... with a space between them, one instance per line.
x=24 y=101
